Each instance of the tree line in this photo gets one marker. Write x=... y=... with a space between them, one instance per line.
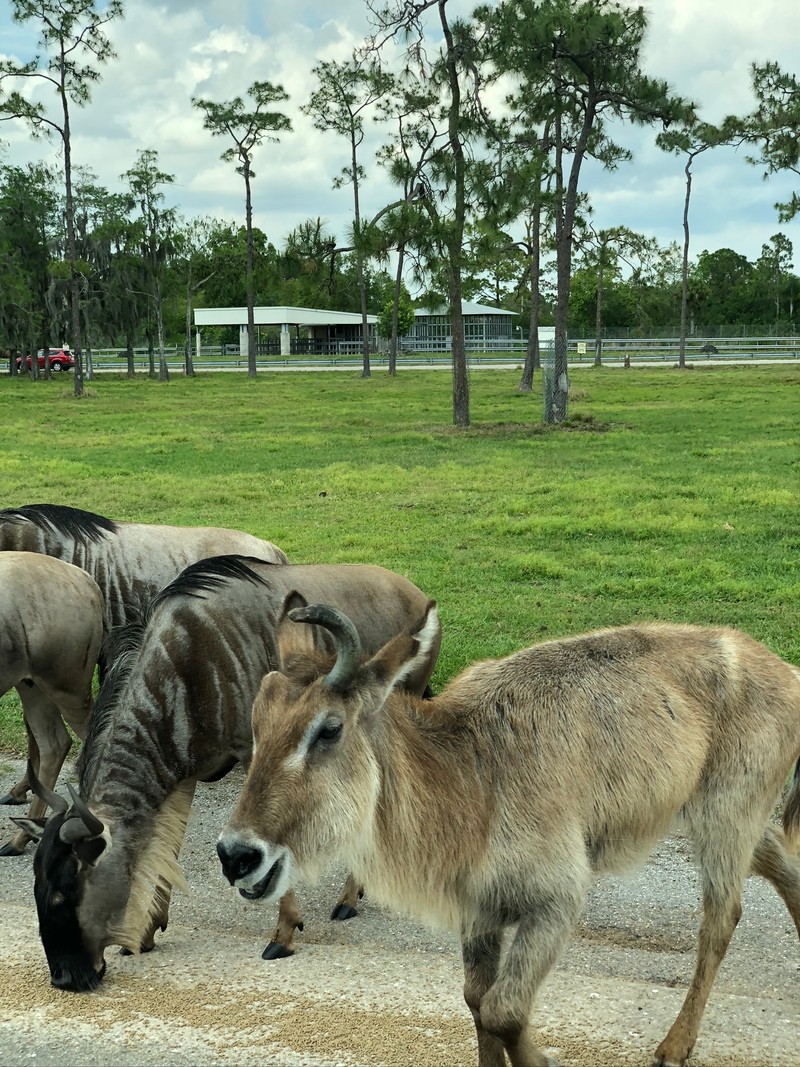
x=489 y=202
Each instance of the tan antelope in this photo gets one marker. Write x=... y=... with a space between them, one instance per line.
x=498 y=802
x=51 y=628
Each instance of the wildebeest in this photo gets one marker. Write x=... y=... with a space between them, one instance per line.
x=175 y=708
x=51 y=627
x=130 y=561
x=499 y=801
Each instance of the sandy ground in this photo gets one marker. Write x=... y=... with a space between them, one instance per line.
x=383 y=990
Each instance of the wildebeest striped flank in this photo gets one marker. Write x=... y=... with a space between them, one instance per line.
x=175 y=708
x=51 y=627
x=130 y=561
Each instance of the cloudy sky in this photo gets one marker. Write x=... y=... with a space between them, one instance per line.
x=169 y=52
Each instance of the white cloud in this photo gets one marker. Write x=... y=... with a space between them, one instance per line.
x=171 y=52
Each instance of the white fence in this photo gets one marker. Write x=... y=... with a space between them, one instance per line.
x=579 y=350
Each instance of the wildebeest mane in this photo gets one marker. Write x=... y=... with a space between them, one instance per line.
x=119 y=651
x=69 y=522
x=207 y=575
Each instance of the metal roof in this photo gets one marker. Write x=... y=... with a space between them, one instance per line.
x=468 y=307
x=277 y=316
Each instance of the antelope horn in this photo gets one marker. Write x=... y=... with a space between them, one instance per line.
x=345 y=638
x=90 y=821
x=52 y=799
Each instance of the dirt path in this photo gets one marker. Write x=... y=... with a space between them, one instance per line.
x=383 y=990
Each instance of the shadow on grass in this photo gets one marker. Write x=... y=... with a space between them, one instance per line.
x=575 y=423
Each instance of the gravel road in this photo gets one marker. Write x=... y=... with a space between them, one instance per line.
x=383 y=990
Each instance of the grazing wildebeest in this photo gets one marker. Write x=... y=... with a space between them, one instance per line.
x=130 y=561
x=175 y=708
x=499 y=801
x=51 y=627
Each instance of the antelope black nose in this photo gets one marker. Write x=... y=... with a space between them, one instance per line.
x=237 y=860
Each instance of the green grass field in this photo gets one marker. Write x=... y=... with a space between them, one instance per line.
x=672 y=495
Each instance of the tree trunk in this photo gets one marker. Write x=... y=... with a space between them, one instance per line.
x=251 y=322
x=129 y=352
x=460 y=376
x=532 y=351
x=685 y=266
x=188 y=363
x=163 y=369
x=366 y=371
x=74 y=280
x=398 y=288
x=557 y=399
x=598 y=315
x=455 y=240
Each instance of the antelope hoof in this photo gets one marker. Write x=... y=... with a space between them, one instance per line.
x=10 y=849
x=343 y=911
x=9 y=798
x=666 y=1058
x=276 y=951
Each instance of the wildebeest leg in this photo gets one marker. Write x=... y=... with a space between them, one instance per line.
x=773 y=861
x=539 y=937
x=346 y=905
x=481 y=957
x=48 y=745
x=289 y=920
x=17 y=793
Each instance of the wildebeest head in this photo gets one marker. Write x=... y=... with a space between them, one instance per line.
x=69 y=880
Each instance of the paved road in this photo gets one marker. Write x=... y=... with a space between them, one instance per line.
x=381 y=989
x=511 y=364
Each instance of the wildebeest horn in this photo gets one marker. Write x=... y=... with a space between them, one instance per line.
x=92 y=826
x=53 y=800
x=345 y=638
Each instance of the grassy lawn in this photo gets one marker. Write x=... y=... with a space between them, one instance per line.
x=670 y=495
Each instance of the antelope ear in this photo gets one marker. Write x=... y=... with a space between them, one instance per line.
x=293 y=600
x=34 y=827
x=291 y=639
x=404 y=654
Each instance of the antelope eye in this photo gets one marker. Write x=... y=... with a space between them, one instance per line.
x=330 y=731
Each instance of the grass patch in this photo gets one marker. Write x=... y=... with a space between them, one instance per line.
x=665 y=496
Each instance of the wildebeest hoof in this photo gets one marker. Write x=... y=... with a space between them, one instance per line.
x=276 y=951
x=343 y=911
x=9 y=798
x=125 y=951
x=10 y=849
